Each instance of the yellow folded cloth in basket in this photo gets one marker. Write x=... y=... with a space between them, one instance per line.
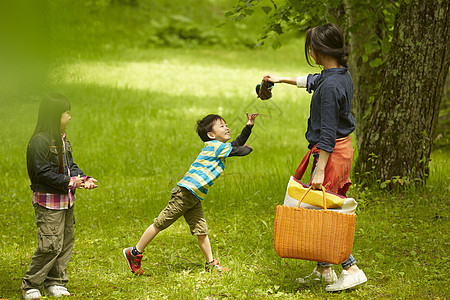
x=296 y=189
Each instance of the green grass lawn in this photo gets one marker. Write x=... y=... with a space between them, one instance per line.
x=133 y=128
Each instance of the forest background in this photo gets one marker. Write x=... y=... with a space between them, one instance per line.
x=139 y=74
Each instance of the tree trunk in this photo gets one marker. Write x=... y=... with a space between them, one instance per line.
x=362 y=29
x=441 y=136
x=397 y=140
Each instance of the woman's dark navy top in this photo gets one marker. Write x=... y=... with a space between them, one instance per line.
x=330 y=111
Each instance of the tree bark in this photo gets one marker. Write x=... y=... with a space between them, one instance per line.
x=397 y=140
x=362 y=28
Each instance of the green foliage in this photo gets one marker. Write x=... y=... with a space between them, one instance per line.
x=395 y=183
x=353 y=16
x=147 y=23
x=369 y=181
x=179 y=31
x=282 y=17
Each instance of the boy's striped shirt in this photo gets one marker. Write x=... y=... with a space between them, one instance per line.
x=206 y=168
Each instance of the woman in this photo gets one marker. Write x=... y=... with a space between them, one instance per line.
x=329 y=127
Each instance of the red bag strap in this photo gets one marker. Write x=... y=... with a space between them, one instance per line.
x=303 y=165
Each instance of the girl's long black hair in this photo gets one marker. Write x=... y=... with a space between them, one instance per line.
x=52 y=107
x=328 y=40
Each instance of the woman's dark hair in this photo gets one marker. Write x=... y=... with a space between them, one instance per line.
x=205 y=125
x=326 y=40
x=52 y=107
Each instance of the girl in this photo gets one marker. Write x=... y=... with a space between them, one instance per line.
x=329 y=127
x=54 y=177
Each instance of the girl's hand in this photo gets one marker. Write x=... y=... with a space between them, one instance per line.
x=90 y=183
x=319 y=173
x=317 y=180
x=278 y=79
x=272 y=78
x=251 y=119
x=79 y=182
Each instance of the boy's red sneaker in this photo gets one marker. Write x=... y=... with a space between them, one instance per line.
x=215 y=266
x=134 y=261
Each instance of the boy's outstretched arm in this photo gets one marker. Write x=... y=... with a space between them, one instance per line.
x=238 y=145
x=245 y=134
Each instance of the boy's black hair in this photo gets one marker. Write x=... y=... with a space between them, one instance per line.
x=205 y=125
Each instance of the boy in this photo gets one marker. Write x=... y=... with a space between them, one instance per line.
x=192 y=188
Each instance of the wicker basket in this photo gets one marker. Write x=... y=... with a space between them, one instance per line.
x=316 y=235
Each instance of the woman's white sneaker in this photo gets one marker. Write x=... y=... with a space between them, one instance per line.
x=347 y=281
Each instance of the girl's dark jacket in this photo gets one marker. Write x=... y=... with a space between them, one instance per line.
x=43 y=165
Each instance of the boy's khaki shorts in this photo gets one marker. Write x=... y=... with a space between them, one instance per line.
x=183 y=203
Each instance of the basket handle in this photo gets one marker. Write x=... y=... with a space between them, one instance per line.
x=304 y=195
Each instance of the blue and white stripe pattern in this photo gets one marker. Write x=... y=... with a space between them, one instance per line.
x=206 y=168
